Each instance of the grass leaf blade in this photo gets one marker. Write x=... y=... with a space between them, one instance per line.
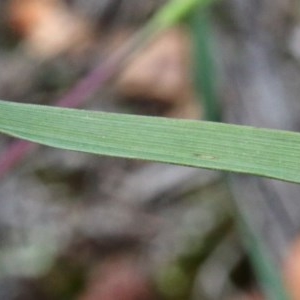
x=263 y=152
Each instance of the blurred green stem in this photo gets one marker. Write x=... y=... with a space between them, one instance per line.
x=204 y=70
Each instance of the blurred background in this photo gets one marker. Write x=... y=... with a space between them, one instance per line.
x=78 y=226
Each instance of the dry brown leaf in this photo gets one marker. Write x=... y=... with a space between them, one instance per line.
x=47 y=26
x=118 y=279
x=161 y=73
x=292 y=271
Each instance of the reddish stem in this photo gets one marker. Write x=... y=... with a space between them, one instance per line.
x=77 y=95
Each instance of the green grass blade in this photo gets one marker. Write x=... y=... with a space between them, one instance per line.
x=270 y=153
x=204 y=66
x=176 y=10
x=268 y=272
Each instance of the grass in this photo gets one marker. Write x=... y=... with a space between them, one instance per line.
x=262 y=152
